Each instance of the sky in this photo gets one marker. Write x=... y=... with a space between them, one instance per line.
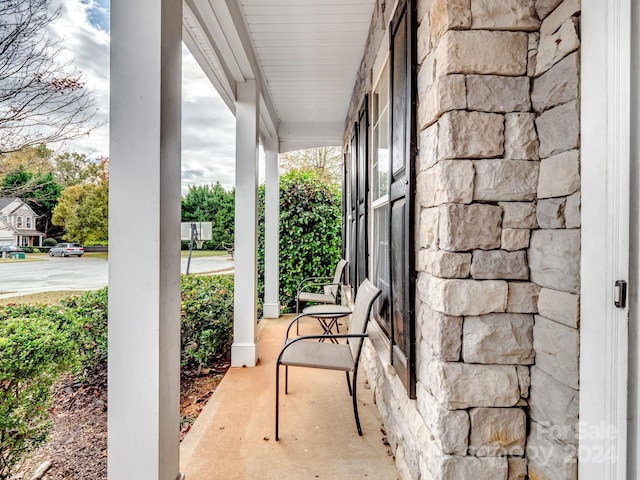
x=208 y=127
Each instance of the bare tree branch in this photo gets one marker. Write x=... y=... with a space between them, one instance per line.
x=325 y=161
x=42 y=101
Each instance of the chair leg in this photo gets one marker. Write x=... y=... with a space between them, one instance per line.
x=277 y=396
x=286 y=379
x=349 y=384
x=355 y=402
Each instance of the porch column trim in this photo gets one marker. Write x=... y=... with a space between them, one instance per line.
x=244 y=351
x=144 y=240
x=605 y=134
x=271 y=235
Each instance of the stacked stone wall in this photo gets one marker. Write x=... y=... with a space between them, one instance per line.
x=498 y=237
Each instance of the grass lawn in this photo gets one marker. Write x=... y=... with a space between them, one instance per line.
x=43 y=298
x=39 y=257
x=30 y=257
x=203 y=253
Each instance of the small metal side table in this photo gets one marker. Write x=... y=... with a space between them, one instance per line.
x=328 y=315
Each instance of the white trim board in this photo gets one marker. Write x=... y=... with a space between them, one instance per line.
x=605 y=133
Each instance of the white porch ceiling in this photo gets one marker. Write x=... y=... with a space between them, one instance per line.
x=304 y=53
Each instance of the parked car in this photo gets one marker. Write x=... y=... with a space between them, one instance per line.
x=66 y=249
x=9 y=249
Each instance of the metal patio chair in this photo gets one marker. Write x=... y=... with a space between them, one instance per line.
x=325 y=289
x=306 y=351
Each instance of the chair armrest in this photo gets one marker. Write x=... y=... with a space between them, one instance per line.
x=295 y=320
x=319 y=337
x=309 y=279
x=324 y=315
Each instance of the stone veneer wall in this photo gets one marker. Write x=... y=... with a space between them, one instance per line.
x=498 y=232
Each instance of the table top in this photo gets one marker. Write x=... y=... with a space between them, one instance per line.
x=327 y=310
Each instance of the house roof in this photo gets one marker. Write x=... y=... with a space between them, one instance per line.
x=305 y=55
x=4 y=201
x=29 y=231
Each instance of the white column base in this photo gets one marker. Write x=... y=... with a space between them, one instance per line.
x=271 y=310
x=244 y=354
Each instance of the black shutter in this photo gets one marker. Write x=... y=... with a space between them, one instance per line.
x=345 y=225
x=363 y=184
x=353 y=210
x=402 y=194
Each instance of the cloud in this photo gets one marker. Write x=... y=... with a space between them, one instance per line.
x=86 y=47
x=208 y=127
x=208 y=130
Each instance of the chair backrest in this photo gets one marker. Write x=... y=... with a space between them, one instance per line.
x=367 y=294
x=337 y=278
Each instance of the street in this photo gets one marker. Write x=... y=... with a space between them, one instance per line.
x=71 y=273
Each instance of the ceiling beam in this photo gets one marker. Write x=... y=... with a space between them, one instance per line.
x=298 y=135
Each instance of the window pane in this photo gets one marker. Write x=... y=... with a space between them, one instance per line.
x=382 y=151
x=398 y=228
x=380 y=120
x=380 y=253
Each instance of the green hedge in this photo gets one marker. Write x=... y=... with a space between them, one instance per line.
x=310 y=232
x=38 y=342
x=207 y=318
x=33 y=352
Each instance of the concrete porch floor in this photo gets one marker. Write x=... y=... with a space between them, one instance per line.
x=233 y=438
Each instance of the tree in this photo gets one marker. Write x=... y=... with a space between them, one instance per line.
x=42 y=101
x=40 y=191
x=83 y=210
x=310 y=231
x=72 y=168
x=32 y=159
x=326 y=162
x=204 y=203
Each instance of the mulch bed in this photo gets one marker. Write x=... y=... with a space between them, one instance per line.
x=77 y=445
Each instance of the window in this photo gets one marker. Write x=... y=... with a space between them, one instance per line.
x=19 y=222
x=388 y=193
x=380 y=197
x=28 y=222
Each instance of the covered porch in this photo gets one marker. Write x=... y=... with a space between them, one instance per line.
x=234 y=435
x=287 y=70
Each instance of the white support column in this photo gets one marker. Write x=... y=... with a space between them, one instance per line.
x=144 y=240
x=605 y=153
x=271 y=235
x=244 y=351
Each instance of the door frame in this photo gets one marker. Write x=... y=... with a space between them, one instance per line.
x=605 y=134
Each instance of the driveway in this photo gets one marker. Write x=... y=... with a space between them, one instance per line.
x=79 y=274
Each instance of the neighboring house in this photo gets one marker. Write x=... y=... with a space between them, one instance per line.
x=491 y=191
x=18 y=224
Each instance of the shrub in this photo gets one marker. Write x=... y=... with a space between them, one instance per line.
x=38 y=342
x=49 y=242
x=97 y=243
x=310 y=232
x=89 y=315
x=207 y=318
x=33 y=351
